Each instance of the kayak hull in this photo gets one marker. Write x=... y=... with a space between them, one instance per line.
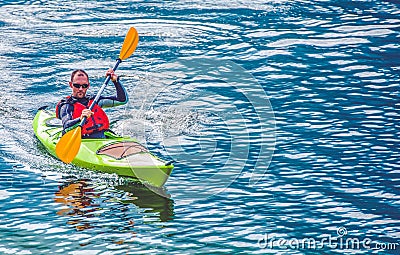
x=123 y=156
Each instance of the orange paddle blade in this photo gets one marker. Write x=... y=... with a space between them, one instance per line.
x=130 y=43
x=69 y=144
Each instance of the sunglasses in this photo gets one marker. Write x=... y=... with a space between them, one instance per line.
x=78 y=86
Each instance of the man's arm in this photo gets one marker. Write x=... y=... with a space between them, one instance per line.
x=66 y=116
x=120 y=99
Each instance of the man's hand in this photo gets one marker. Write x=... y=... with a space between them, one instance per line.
x=113 y=76
x=86 y=113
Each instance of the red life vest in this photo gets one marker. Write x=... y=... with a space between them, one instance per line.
x=97 y=122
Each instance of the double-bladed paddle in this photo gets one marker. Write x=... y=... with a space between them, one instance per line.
x=70 y=142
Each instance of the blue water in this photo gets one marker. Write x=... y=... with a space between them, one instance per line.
x=282 y=117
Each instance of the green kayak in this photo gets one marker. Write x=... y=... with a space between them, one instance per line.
x=121 y=155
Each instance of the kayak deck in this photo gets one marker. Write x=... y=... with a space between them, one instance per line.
x=123 y=156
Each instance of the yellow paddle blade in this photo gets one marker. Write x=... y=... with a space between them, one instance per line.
x=130 y=43
x=69 y=144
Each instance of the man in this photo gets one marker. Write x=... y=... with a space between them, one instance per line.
x=72 y=109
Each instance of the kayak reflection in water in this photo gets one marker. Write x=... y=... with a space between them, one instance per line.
x=82 y=201
x=155 y=204
x=72 y=109
x=75 y=195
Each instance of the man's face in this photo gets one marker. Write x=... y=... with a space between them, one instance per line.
x=79 y=80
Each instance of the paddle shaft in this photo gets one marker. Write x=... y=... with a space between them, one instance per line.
x=97 y=98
